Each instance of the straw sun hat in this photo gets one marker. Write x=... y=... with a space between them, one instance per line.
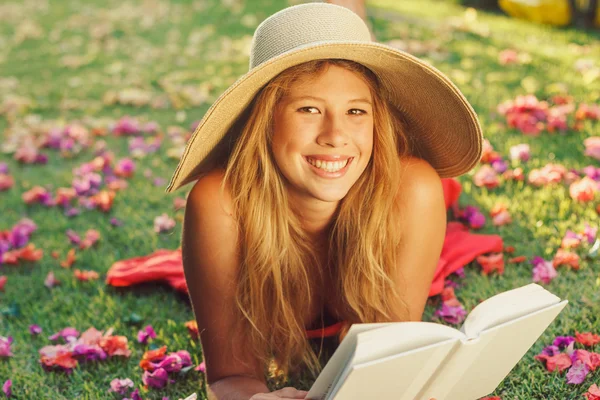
x=441 y=125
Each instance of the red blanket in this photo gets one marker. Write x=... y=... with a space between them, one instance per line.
x=460 y=248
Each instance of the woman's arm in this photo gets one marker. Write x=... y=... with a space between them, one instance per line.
x=211 y=263
x=235 y=387
x=245 y=388
x=423 y=229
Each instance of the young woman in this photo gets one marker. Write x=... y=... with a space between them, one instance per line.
x=317 y=195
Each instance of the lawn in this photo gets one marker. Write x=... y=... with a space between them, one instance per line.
x=80 y=71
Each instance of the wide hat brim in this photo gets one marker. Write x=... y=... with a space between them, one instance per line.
x=441 y=125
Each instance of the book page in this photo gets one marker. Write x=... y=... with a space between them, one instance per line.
x=507 y=306
x=399 y=377
x=480 y=364
x=336 y=364
x=397 y=338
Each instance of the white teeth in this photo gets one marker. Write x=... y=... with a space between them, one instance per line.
x=328 y=166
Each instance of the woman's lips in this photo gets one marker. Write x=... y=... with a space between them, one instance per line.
x=326 y=174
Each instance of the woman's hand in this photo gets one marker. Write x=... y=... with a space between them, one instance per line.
x=285 y=393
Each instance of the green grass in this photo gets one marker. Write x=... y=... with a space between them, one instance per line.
x=153 y=49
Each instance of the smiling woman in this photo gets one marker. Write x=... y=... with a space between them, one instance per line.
x=312 y=176
x=320 y=143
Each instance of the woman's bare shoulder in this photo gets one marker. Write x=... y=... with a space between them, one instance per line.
x=207 y=193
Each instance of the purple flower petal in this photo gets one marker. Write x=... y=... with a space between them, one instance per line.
x=66 y=333
x=125 y=165
x=563 y=341
x=551 y=350
x=89 y=352
x=577 y=373
x=116 y=222
x=3 y=168
x=35 y=329
x=151 y=127
x=171 y=363
x=135 y=395
x=186 y=359
x=544 y=272
x=73 y=236
x=500 y=166
x=6 y=388
x=201 y=367
x=126 y=126
x=5 y=343
x=451 y=314
x=73 y=211
x=41 y=159
x=18 y=237
x=145 y=334
x=120 y=386
x=157 y=379
x=590 y=233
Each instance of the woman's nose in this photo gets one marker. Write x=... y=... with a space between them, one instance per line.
x=333 y=133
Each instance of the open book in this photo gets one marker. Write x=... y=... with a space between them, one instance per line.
x=424 y=360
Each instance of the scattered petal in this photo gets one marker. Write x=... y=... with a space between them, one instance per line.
x=563 y=341
x=564 y=257
x=6 y=388
x=201 y=367
x=559 y=361
x=5 y=343
x=70 y=259
x=493 y=262
x=163 y=223
x=145 y=334
x=85 y=276
x=486 y=176
x=451 y=314
x=157 y=379
x=6 y=182
x=587 y=338
x=577 y=373
x=593 y=393
x=179 y=203
x=520 y=152
x=583 y=190
x=543 y=271
x=35 y=329
x=120 y=386
x=67 y=334
x=192 y=327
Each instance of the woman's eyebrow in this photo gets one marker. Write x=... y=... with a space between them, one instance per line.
x=298 y=98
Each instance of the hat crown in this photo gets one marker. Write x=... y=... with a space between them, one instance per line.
x=302 y=25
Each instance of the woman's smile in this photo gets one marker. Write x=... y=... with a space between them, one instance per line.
x=329 y=169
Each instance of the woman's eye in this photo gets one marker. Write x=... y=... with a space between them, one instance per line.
x=307 y=108
x=361 y=111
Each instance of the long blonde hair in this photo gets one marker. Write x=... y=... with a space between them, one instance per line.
x=273 y=283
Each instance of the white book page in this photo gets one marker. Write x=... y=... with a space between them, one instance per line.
x=335 y=366
x=479 y=365
x=399 y=337
x=396 y=338
x=507 y=306
x=399 y=377
x=367 y=342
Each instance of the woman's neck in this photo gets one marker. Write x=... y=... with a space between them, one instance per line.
x=316 y=218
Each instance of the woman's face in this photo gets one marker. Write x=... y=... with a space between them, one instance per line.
x=323 y=134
